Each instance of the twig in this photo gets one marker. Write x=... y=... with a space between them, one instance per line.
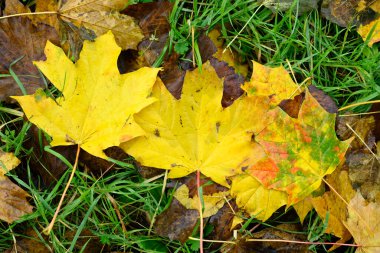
x=301 y=242
x=358 y=104
x=48 y=229
x=200 y=212
x=114 y=204
x=29 y=14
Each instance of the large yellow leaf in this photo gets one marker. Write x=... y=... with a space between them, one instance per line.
x=13 y=203
x=196 y=133
x=97 y=104
x=364 y=224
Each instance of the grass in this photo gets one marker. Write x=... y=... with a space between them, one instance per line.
x=336 y=59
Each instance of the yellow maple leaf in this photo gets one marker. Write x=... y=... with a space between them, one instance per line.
x=13 y=203
x=254 y=198
x=275 y=83
x=97 y=104
x=212 y=203
x=364 y=224
x=196 y=133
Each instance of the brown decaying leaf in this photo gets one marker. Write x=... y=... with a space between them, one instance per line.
x=332 y=205
x=13 y=202
x=292 y=106
x=20 y=38
x=30 y=244
x=364 y=224
x=177 y=222
x=90 y=17
x=47 y=165
x=363 y=13
x=243 y=245
x=362 y=165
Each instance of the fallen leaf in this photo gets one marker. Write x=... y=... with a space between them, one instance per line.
x=31 y=243
x=300 y=152
x=363 y=127
x=212 y=203
x=280 y=232
x=20 y=38
x=226 y=54
x=364 y=172
x=303 y=207
x=362 y=13
x=364 y=224
x=13 y=203
x=274 y=83
x=254 y=198
x=300 y=7
x=177 y=222
x=331 y=205
x=196 y=133
x=97 y=106
x=98 y=16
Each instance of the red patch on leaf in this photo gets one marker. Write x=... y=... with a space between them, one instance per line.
x=265 y=170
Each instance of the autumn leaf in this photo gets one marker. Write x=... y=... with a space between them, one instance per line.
x=300 y=152
x=331 y=205
x=196 y=133
x=364 y=224
x=98 y=16
x=212 y=203
x=254 y=198
x=13 y=202
x=275 y=83
x=97 y=104
x=371 y=28
x=362 y=13
x=19 y=38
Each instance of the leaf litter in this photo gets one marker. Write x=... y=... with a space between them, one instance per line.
x=290 y=189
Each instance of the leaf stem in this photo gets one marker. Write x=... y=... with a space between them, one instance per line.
x=48 y=229
x=357 y=104
x=301 y=242
x=29 y=14
x=200 y=212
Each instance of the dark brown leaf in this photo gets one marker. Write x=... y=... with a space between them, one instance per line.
x=292 y=106
x=48 y=166
x=323 y=99
x=243 y=244
x=232 y=81
x=176 y=222
x=20 y=38
x=30 y=244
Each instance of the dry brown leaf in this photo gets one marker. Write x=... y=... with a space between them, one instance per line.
x=13 y=202
x=98 y=16
x=364 y=224
x=363 y=13
x=332 y=205
x=20 y=38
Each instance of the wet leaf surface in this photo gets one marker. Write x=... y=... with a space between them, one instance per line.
x=19 y=38
x=13 y=198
